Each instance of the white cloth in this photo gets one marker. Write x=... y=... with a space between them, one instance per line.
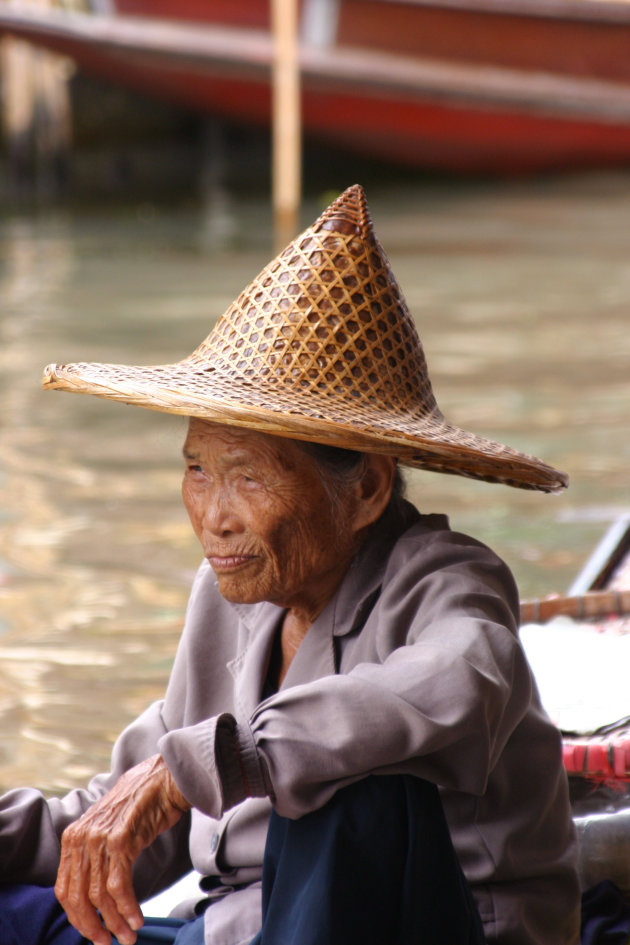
x=582 y=675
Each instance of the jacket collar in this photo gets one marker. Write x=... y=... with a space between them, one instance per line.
x=345 y=613
x=362 y=583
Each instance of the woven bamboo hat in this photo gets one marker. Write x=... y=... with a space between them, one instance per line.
x=320 y=347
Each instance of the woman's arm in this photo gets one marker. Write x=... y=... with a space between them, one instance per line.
x=444 y=686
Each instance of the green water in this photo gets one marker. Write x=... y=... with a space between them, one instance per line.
x=522 y=298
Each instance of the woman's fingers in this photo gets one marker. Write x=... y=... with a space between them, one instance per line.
x=73 y=892
x=95 y=888
x=117 y=900
x=94 y=883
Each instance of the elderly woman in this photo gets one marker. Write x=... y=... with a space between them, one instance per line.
x=351 y=747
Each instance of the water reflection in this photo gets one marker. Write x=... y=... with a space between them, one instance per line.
x=521 y=296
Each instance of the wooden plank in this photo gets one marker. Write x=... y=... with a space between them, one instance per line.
x=372 y=72
x=578 y=607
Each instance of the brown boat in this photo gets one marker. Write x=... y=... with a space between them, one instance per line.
x=467 y=86
x=596 y=613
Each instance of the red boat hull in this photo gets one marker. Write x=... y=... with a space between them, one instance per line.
x=589 y=38
x=447 y=112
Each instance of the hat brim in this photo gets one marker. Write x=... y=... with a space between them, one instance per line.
x=425 y=442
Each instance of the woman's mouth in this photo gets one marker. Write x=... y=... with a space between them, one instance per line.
x=222 y=563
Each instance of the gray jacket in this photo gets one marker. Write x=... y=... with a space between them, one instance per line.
x=415 y=667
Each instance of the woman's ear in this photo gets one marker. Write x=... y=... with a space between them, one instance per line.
x=374 y=490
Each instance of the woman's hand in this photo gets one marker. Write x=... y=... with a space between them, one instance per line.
x=99 y=849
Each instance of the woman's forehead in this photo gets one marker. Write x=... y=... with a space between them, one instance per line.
x=215 y=439
x=223 y=436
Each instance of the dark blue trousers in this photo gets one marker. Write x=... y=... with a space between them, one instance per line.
x=31 y=915
x=375 y=865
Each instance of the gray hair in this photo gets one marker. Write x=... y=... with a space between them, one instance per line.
x=340 y=470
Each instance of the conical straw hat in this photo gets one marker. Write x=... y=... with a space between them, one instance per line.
x=320 y=347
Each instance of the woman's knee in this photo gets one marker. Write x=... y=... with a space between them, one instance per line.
x=31 y=915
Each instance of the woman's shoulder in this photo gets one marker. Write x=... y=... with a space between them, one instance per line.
x=418 y=537
x=429 y=553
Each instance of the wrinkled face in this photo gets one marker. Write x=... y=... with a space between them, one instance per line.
x=263 y=517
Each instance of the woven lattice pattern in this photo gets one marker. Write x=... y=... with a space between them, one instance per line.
x=325 y=321
x=320 y=346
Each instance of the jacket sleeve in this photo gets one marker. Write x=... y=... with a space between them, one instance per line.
x=438 y=694
x=31 y=825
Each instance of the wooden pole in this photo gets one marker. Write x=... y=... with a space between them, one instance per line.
x=18 y=110
x=286 y=122
x=53 y=126
x=580 y=607
x=35 y=114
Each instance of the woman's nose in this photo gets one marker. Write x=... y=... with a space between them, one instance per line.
x=219 y=517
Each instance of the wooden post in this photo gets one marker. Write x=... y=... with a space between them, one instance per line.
x=286 y=122
x=18 y=110
x=53 y=126
x=35 y=115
